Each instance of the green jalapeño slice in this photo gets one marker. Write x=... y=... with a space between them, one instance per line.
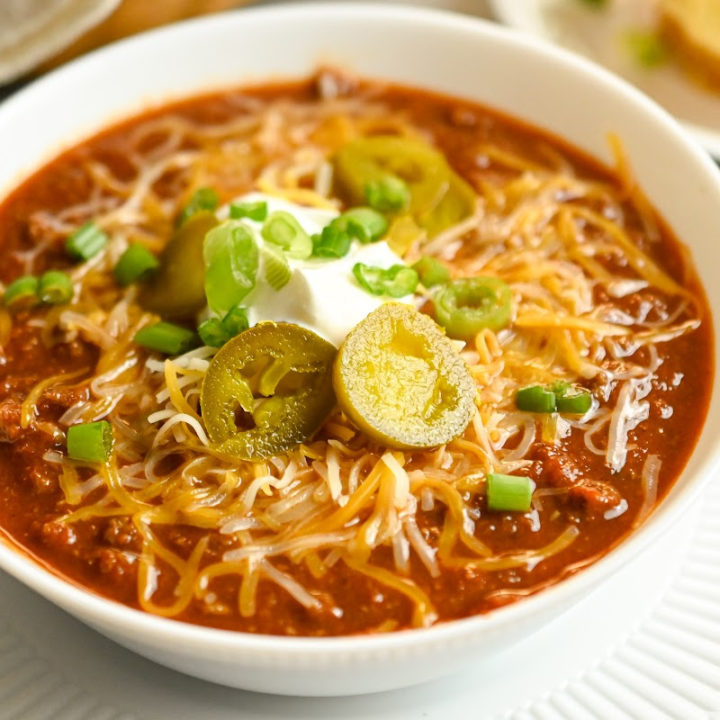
x=267 y=390
x=403 y=175
x=401 y=380
x=467 y=305
x=177 y=289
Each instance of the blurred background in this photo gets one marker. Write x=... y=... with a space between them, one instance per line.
x=670 y=49
x=37 y=35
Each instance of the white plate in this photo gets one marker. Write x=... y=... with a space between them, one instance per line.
x=645 y=645
x=598 y=35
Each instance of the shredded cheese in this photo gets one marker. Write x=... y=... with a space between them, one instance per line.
x=548 y=234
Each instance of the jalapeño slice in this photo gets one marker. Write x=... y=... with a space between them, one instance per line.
x=467 y=305
x=401 y=381
x=438 y=196
x=177 y=288
x=267 y=390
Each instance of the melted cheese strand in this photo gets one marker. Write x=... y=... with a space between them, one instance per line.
x=28 y=411
x=424 y=613
x=550 y=235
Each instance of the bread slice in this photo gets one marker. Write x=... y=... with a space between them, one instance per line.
x=691 y=28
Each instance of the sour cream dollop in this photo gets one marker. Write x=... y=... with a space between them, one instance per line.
x=322 y=295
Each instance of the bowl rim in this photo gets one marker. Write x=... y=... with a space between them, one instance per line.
x=95 y=608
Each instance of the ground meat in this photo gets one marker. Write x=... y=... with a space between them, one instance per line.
x=331 y=84
x=10 y=429
x=121 y=533
x=33 y=468
x=40 y=231
x=594 y=495
x=556 y=469
x=462 y=116
x=58 y=535
x=30 y=445
x=180 y=540
x=65 y=397
x=115 y=564
x=646 y=307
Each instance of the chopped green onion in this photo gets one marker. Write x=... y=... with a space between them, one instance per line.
x=166 y=338
x=536 y=399
x=646 y=47
x=231 y=264
x=559 y=397
x=86 y=242
x=332 y=242
x=21 y=294
x=90 y=442
x=134 y=264
x=203 y=199
x=397 y=281
x=595 y=3
x=363 y=224
x=282 y=229
x=213 y=332
x=253 y=210
x=431 y=272
x=276 y=267
x=509 y=492
x=388 y=194
x=466 y=306
x=55 y=287
x=236 y=321
x=577 y=404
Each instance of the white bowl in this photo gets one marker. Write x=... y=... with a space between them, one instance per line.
x=545 y=86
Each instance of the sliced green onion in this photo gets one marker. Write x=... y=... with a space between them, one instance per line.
x=213 y=333
x=332 y=242
x=397 y=281
x=134 y=264
x=55 y=287
x=509 y=492
x=536 y=399
x=253 y=210
x=559 y=397
x=21 y=294
x=577 y=404
x=646 y=47
x=166 y=338
x=467 y=305
x=595 y=3
x=388 y=194
x=431 y=272
x=276 y=267
x=363 y=224
x=231 y=264
x=236 y=321
x=86 y=242
x=90 y=442
x=282 y=229
x=203 y=199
